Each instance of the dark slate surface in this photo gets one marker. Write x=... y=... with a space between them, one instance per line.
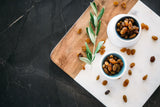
x=28 y=78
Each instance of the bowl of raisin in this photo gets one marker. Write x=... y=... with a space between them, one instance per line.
x=113 y=65
x=124 y=30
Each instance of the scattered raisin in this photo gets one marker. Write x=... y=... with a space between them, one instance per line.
x=103 y=47
x=132 y=65
x=144 y=26
x=123 y=49
x=80 y=55
x=123 y=5
x=129 y=72
x=125 y=83
x=115 y=3
x=152 y=59
x=155 y=38
x=98 y=77
x=107 y=92
x=102 y=51
x=128 y=51
x=83 y=67
x=88 y=40
x=79 y=31
x=125 y=98
x=84 y=48
x=105 y=82
x=145 y=77
x=133 y=51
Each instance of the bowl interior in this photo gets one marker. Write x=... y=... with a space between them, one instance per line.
x=135 y=23
x=122 y=69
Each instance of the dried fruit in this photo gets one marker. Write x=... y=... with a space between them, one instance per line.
x=133 y=51
x=84 y=48
x=88 y=40
x=105 y=82
x=129 y=72
x=80 y=55
x=155 y=38
x=128 y=51
x=79 y=31
x=125 y=83
x=145 y=77
x=132 y=65
x=152 y=59
x=102 y=51
x=125 y=98
x=83 y=66
x=107 y=92
x=144 y=26
x=123 y=49
x=98 y=77
x=112 y=61
x=103 y=47
x=123 y=5
x=115 y=3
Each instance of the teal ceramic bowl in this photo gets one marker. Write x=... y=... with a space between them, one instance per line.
x=121 y=72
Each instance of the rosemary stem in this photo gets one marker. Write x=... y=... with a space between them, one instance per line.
x=94 y=43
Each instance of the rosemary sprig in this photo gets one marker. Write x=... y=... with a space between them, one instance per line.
x=96 y=22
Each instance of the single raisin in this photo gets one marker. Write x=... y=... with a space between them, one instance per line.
x=83 y=67
x=103 y=47
x=129 y=72
x=88 y=40
x=155 y=38
x=80 y=55
x=145 y=77
x=115 y=3
x=125 y=98
x=123 y=49
x=125 y=83
x=133 y=51
x=105 y=82
x=132 y=65
x=84 y=48
x=107 y=92
x=123 y=5
x=102 y=51
x=98 y=76
x=128 y=51
x=79 y=31
x=152 y=59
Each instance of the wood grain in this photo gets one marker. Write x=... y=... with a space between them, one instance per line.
x=65 y=53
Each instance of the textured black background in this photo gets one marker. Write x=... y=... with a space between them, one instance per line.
x=28 y=78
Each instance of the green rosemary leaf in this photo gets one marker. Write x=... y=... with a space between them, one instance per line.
x=93 y=5
x=99 y=25
x=91 y=36
x=92 y=19
x=100 y=14
x=89 y=56
x=87 y=48
x=84 y=59
x=90 y=27
x=95 y=20
x=99 y=46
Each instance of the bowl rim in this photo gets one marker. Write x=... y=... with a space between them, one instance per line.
x=125 y=65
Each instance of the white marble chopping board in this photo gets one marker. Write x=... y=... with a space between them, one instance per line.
x=138 y=91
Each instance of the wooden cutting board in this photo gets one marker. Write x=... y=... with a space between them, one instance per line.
x=65 y=53
x=138 y=91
